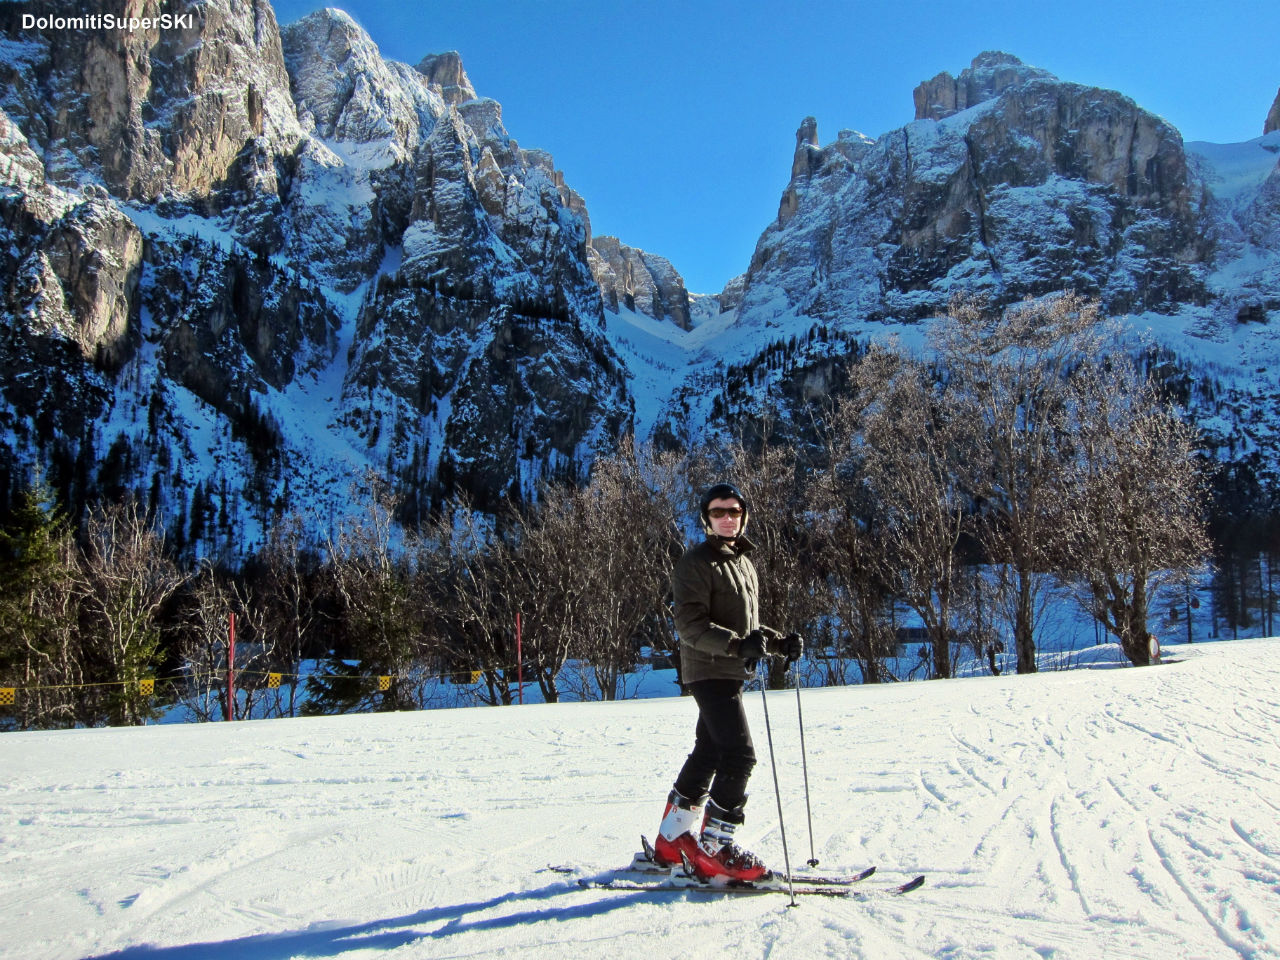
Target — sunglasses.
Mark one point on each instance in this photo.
(719, 513)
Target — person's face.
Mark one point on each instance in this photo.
(725, 516)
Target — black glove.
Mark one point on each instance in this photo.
(752, 647)
(793, 647)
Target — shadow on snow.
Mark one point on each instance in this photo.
(335, 939)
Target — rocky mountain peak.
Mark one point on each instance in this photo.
(1273, 117)
(344, 90)
(639, 281)
(171, 111)
(444, 70)
(1036, 190)
(990, 74)
(806, 148)
(807, 159)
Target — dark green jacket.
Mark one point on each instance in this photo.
(717, 603)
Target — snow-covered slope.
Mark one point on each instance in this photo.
(1108, 812)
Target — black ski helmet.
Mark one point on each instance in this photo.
(723, 491)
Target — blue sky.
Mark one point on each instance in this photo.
(676, 121)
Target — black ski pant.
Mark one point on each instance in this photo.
(723, 755)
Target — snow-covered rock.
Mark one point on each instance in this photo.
(640, 281)
(1009, 181)
(170, 111)
(331, 260)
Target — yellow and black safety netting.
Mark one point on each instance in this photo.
(147, 686)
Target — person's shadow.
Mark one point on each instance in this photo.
(336, 938)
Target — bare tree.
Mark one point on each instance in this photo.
(126, 580)
(851, 551)
(911, 449)
(205, 648)
(1132, 512)
(548, 584)
(464, 586)
(288, 602)
(1008, 374)
(371, 581)
(626, 550)
(849, 556)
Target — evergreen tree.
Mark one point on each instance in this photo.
(37, 609)
(30, 558)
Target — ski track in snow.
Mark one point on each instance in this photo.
(1081, 814)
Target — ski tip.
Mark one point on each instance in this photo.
(913, 884)
(844, 878)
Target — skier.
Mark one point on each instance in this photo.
(717, 616)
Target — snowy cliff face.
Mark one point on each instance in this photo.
(352, 185)
(195, 109)
(643, 282)
(483, 352)
(256, 262)
(1009, 181)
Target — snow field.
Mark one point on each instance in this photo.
(1098, 812)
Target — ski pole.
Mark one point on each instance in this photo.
(762, 673)
(804, 761)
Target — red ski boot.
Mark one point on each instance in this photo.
(681, 823)
(716, 855)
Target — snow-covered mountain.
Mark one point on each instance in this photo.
(1009, 183)
(261, 261)
(243, 265)
(1104, 812)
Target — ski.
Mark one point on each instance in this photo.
(646, 862)
(680, 883)
(915, 883)
(644, 866)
